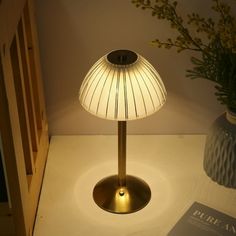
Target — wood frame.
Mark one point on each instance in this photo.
(23, 123)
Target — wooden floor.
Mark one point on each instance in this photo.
(170, 164)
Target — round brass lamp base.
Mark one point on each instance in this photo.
(110, 196)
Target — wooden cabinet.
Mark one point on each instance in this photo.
(23, 123)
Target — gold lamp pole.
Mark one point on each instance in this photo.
(122, 153)
(121, 193)
(122, 86)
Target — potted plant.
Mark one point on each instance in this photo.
(215, 42)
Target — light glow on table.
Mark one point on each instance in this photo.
(160, 199)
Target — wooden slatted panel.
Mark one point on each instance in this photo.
(21, 104)
(23, 125)
(3, 188)
(33, 69)
(12, 220)
(6, 221)
(28, 85)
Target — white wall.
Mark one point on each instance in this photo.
(73, 34)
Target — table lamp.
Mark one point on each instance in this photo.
(122, 86)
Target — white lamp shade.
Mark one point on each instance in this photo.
(122, 85)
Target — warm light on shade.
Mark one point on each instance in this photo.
(122, 85)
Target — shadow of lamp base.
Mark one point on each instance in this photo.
(110, 196)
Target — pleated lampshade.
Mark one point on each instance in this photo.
(122, 85)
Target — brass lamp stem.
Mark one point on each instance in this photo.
(121, 193)
(122, 153)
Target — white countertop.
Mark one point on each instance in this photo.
(170, 164)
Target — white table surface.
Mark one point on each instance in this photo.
(170, 164)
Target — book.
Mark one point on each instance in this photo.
(201, 220)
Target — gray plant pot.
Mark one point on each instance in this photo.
(220, 150)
